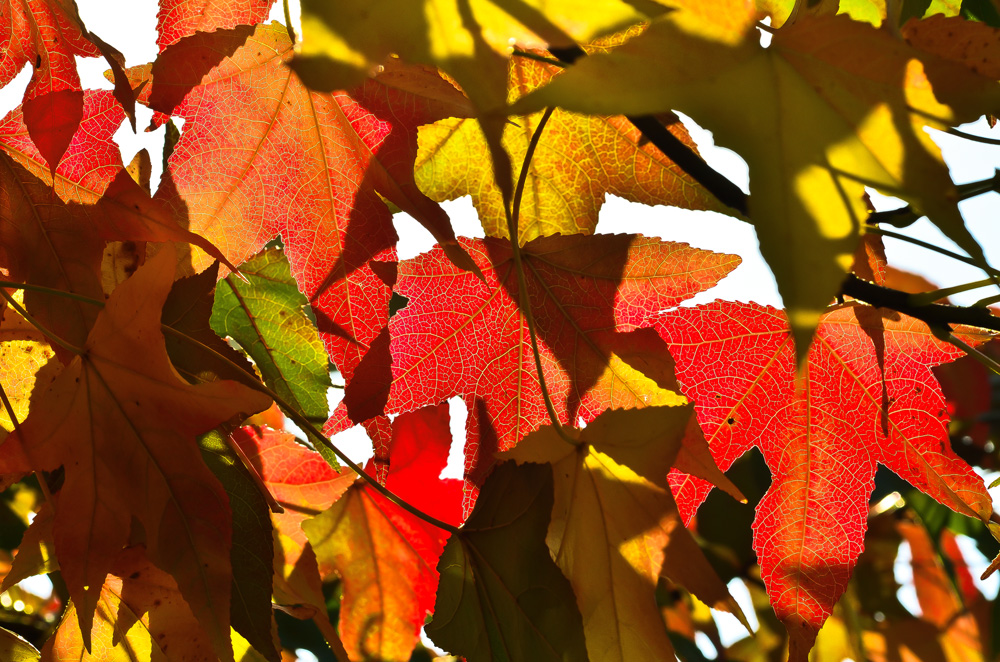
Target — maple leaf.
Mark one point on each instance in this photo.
(49, 34)
(615, 526)
(808, 178)
(868, 398)
(342, 42)
(263, 154)
(24, 364)
(122, 424)
(501, 596)
(588, 297)
(577, 161)
(177, 19)
(14, 648)
(59, 241)
(385, 556)
(264, 312)
(140, 610)
(970, 43)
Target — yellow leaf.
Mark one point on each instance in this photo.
(615, 527)
(832, 106)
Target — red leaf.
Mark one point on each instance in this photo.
(177, 19)
(460, 335)
(822, 438)
(262, 155)
(386, 557)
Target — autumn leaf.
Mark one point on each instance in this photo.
(14, 648)
(972, 44)
(865, 127)
(177, 19)
(141, 615)
(25, 356)
(265, 313)
(501, 597)
(587, 297)
(35, 554)
(252, 550)
(385, 556)
(578, 160)
(615, 526)
(122, 424)
(261, 153)
(343, 42)
(869, 397)
(59, 241)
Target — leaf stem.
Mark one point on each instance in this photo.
(38, 325)
(524, 298)
(973, 137)
(931, 247)
(925, 298)
(528, 55)
(325, 448)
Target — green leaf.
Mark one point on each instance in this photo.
(15, 649)
(252, 553)
(981, 10)
(265, 314)
(501, 596)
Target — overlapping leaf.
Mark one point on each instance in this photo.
(615, 527)
(588, 297)
(470, 41)
(387, 557)
(577, 161)
(122, 424)
(501, 597)
(58, 240)
(141, 615)
(868, 398)
(867, 95)
(24, 355)
(264, 312)
(261, 155)
(177, 19)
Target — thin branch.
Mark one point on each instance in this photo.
(973, 137)
(296, 417)
(925, 298)
(937, 316)
(931, 247)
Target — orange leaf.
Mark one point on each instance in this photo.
(123, 424)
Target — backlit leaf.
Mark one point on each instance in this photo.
(177, 19)
(587, 295)
(615, 527)
(865, 126)
(385, 556)
(14, 648)
(265, 314)
(122, 424)
(501, 597)
(868, 398)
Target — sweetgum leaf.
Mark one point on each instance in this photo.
(25, 363)
(868, 397)
(866, 126)
(262, 155)
(588, 297)
(35, 554)
(265, 314)
(252, 551)
(122, 424)
(141, 615)
(578, 160)
(14, 648)
(501, 597)
(385, 556)
(58, 240)
(615, 527)
(177, 19)
(470, 42)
